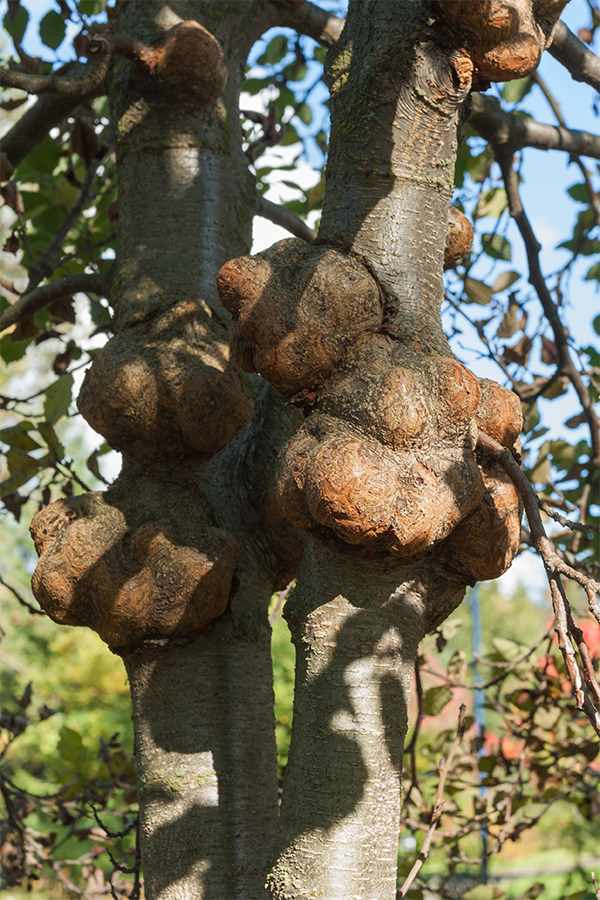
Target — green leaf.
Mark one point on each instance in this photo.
(17, 436)
(295, 72)
(579, 192)
(304, 112)
(507, 649)
(52, 29)
(540, 473)
(436, 699)
(594, 273)
(70, 746)
(16, 27)
(450, 628)
(92, 7)
(513, 320)
(596, 324)
(275, 51)
(536, 890)
(290, 137)
(92, 461)
(504, 281)
(478, 291)
(10, 350)
(514, 91)
(496, 246)
(50, 437)
(591, 248)
(492, 204)
(484, 892)
(22, 467)
(58, 398)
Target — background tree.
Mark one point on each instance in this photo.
(175, 563)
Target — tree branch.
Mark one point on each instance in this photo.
(564, 624)
(438, 808)
(38, 120)
(580, 62)
(75, 84)
(287, 219)
(307, 18)
(39, 297)
(511, 132)
(594, 200)
(35, 611)
(537, 280)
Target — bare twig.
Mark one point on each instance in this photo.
(35, 123)
(537, 280)
(281, 598)
(580, 62)
(513, 132)
(555, 567)
(567, 523)
(30, 303)
(507, 668)
(279, 215)
(46, 264)
(438, 808)
(75, 84)
(307, 18)
(594, 199)
(28, 606)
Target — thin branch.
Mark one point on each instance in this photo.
(35, 123)
(512, 132)
(580, 62)
(438, 808)
(28, 606)
(507, 669)
(555, 567)
(46, 264)
(538, 282)
(594, 199)
(30, 303)
(582, 527)
(307, 18)
(75, 84)
(287, 219)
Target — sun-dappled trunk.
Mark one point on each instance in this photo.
(385, 461)
(356, 628)
(171, 565)
(361, 450)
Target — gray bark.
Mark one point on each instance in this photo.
(203, 706)
(357, 623)
(356, 628)
(390, 173)
(203, 722)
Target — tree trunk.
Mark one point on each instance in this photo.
(357, 622)
(356, 628)
(202, 705)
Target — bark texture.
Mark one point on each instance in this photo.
(356, 627)
(384, 472)
(173, 565)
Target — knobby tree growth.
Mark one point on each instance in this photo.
(298, 414)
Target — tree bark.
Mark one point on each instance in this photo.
(357, 622)
(356, 628)
(202, 706)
